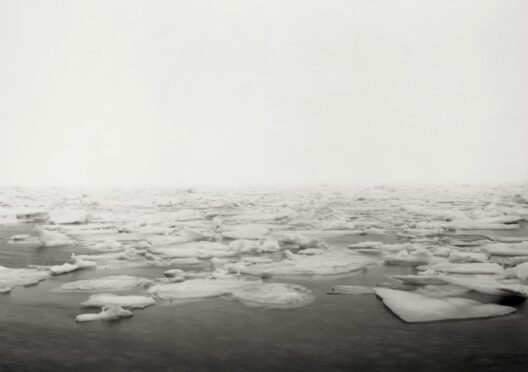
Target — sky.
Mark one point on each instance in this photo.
(172, 93)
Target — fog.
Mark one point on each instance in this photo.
(263, 92)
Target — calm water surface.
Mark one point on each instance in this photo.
(334, 333)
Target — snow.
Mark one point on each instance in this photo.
(104, 284)
(130, 302)
(274, 295)
(109, 312)
(413, 307)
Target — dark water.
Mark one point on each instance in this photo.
(334, 333)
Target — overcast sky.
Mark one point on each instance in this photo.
(263, 92)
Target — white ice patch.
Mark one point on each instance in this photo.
(49, 238)
(465, 268)
(480, 283)
(329, 263)
(68, 216)
(14, 277)
(104, 284)
(274, 295)
(111, 312)
(199, 288)
(413, 307)
(130, 302)
(198, 249)
(351, 290)
(246, 232)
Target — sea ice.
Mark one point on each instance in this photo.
(199, 288)
(49, 238)
(270, 245)
(110, 312)
(465, 268)
(131, 302)
(246, 232)
(104, 284)
(330, 263)
(13, 277)
(351, 290)
(480, 283)
(68, 216)
(274, 295)
(412, 307)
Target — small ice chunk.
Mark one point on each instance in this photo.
(465, 268)
(413, 307)
(5, 290)
(365, 245)
(419, 279)
(68, 216)
(19, 237)
(110, 312)
(245, 246)
(49, 238)
(173, 273)
(274, 295)
(270, 245)
(461, 257)
(403, 258)
(104, 284)
(246, 232)
(507, 249)
(63, 269)
(131, 302)
(351, 290)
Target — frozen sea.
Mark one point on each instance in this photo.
(333, 333)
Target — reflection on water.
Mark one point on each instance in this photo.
(334, 333)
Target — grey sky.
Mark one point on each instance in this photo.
(263, 92)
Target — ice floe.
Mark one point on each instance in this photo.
(14, 277)
(130, 302)
(274, 295)
(109, 312)
(199, 288)
(104, 284)
(414, 307)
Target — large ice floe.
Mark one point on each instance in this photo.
(413, 307)
(332, 262)
(199, 288)
(104, 284)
